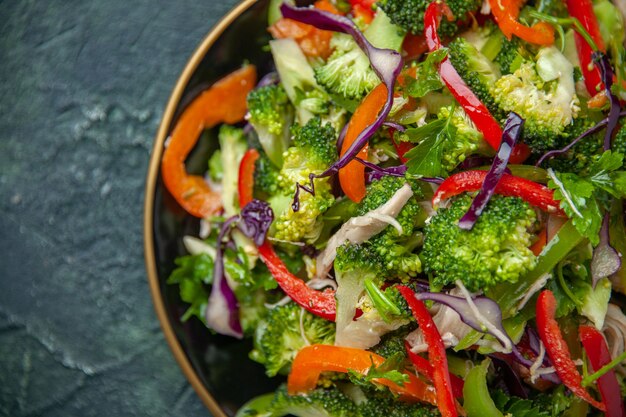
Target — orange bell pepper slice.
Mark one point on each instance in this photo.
(224, 102)
(312, 360)
(506, 13)
(314, 42)
(352, 176)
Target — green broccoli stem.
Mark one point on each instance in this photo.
(589, 379)
(382, 303)
(555, 251)
(569, 21)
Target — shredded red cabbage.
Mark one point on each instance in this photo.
(488, 308)
(606, 260)
(595, 129)
(510, 134)
(222, 313)
(606, 74)
(255, 220)
(386, 63)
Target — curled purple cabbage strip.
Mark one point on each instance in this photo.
(488, 308)
(605, 261)
(396, 126)
(510, 134)
(222, 313)
(595, 129)
(606, 74)
(386, 63)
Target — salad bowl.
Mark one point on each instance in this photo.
(404, 196)
(216, 366)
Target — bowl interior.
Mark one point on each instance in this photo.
(221, 363)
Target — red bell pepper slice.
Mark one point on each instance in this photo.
(534, 193)
(583, 11)
(436, 353)
(422, 366)
(245, 183)
(475, 109)
(362, 9)
(312, 360)
(506, 13)
(320, 303)
(224, 102)
(599, 355)
(556, 347)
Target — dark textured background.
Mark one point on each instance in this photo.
(83, 84)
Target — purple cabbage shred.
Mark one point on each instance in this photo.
(510, 135)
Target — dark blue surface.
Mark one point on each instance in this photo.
(83, 84)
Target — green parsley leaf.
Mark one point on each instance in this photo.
(425, 158)
(193, 275)
(427, 78)
(577, 199)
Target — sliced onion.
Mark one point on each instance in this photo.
(222, 312)
(510, 134)
(386, 63)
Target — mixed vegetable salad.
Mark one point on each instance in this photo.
(420, 212)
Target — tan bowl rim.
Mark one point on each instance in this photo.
(148, 235)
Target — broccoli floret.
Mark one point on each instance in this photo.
(385, 405)
(466, 141)
(393, 249)
(313, 150)
(321, 402)
(584, 154)
(347, 72)
(478, 72)
(495, 250)
(393, 343)
(271, 115)
(543, 93)
(409, 14)
(265, 175)
(280, 336)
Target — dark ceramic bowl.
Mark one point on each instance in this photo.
(217, 367)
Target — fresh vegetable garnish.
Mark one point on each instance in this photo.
(422, 267)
